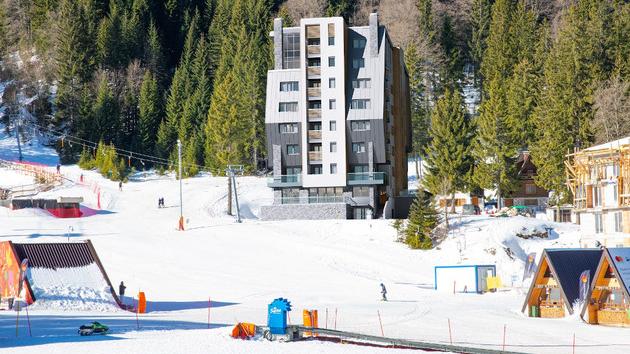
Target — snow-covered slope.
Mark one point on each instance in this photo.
(335, 266)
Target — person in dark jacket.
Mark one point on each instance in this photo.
(121, 289)
(383, 292)
(120, 185)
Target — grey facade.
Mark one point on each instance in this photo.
(337, 120)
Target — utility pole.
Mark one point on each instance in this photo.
(181, 205)
(231, 173)
(229, 199)
(17, 135)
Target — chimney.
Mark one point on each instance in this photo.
(373, 40)
(277, 43)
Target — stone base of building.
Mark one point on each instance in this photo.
(319, 211)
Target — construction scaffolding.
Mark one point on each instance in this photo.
(599, 165)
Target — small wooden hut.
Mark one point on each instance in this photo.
(555, 287)
(609, 295)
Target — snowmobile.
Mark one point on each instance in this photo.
(93, 328)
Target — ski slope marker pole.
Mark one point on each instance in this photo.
(573, 343)
(450, 334)
(335, 318)
(326, 317)
(137, 309)
(28, 319)
(209, 305)
(504, 330)
(381, 322)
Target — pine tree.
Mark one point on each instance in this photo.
(105, 112)
(480, 23)
(420, 117)
(343, 8)
(427, 28)
(448, 154)
(150, 112)
(111, 53)
(521, 100)
(423, 219)
(494, 149)
(498, 57)
(153, 54)
(453, 69)
(169, 127)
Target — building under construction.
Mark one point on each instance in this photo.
(599, 178)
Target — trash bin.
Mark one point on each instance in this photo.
(534, 311)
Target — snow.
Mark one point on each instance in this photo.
(10, 178)
(334, 266)
(77, 288)
(610, 145)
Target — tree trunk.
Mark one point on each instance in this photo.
(417, 167)
(453, 202)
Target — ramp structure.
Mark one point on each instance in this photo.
(60, 276)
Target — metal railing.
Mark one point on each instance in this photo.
(314, 199)
(313, 49)
(284, 181)
(366, 178)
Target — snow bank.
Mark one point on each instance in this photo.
(79, 288)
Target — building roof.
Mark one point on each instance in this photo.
(610, 145)
(569, 264)
(55, 255)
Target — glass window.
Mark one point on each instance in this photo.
(288, 107)
(599, 226)
(313, 41)
(358, 63)
(332, 83)
(315, 169)
(618, 222)
(287, 86)
(315, 126)
(332, 104)
(360, 191)
(358, 148)
(315, 147)
(291, 51)
(314, 104)
(360, 168)
(597, 196)
(360, 104)
(286, 128)
(333, 168)
(358, 43)
(361, 83)
(333, 125)
(293, 149)
(316, 62)
(331, 40)
(294, 170)
(331, 61)
(314, 83)
(530, 188)
(333, 147)
(360, 125)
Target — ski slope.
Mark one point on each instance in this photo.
(334, 266)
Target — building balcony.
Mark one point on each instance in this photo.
(285, 181)
(315, 156)
(314, 135)
(313, 71)
(363, 178)
(314, 92)
(313, 51)
(314, 113)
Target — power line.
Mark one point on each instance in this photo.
(119, 151)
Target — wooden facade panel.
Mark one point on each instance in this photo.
(626, 221)
(589, 196)
(552, 311)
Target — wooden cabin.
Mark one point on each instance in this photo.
(555, 286)
(609, 296)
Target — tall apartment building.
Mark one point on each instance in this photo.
(337, 120)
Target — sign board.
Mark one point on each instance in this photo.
(621, 260)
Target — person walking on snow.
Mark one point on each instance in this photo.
(120, 186)
(383, 292)
(121, 289)
(58, 168)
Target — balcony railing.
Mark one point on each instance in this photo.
(313, 50)
(316, 199)
(366, 178)
(315, 155)
(314, 113)
(285, 181)
(313, 71)
(314, 92)
(314, 135)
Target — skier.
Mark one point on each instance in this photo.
(58, 168)
(120, 186)
(81, 178)
(121, 289)
(383, 292)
